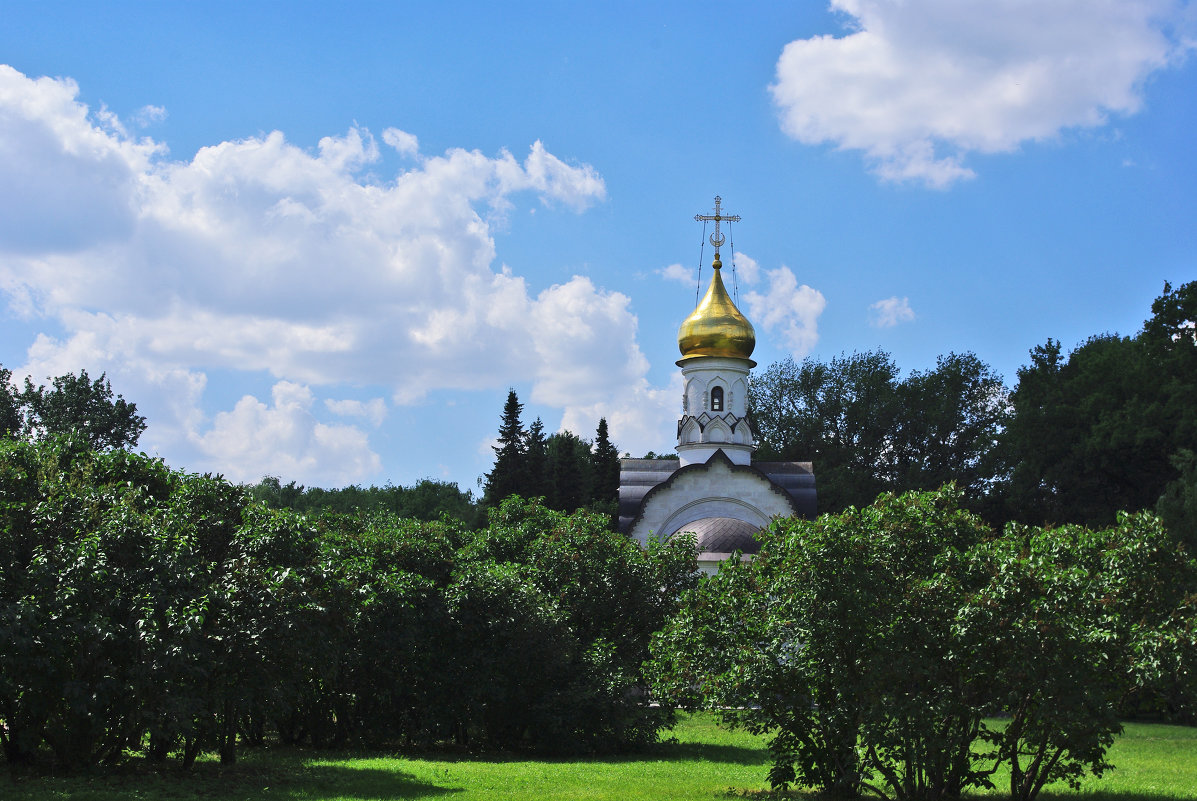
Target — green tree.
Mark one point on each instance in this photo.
(1097, 432)
(948, 427)
(873, 645)
(836, 640)
(610, 596)
(868, 431)
(1068, 621)
(605, 466)
(82, 405)
(1178, 503)
(569, 471)
(841, 415)
(509, 474)
(536, 450)
(10, 412)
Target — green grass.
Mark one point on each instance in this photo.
(1154, 762)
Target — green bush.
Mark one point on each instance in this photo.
(873, 644)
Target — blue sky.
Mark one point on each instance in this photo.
(320, 241)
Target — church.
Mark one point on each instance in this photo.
(713, 489)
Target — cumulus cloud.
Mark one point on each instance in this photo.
(787, 309)
(918, 85)
(284, 438)
(261, 256)
(636, 418)
(891, 311)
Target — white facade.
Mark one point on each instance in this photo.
(714, 410)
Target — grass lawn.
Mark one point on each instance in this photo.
(1154, 762)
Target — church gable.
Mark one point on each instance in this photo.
(716, 489)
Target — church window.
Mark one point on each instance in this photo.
(717, 399)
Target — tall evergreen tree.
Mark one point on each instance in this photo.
(536, 456)
(509, 475)
(569, 471)
(605, 467)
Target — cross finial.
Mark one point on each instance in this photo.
(717, 239)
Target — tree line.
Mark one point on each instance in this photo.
(1109, 426)
(567, 471)
(152, 611)
(427, 499)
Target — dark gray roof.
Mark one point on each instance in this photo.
(722, 535)
(636, 478)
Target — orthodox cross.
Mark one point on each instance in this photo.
(717, 239)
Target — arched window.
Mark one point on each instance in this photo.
(717, 399)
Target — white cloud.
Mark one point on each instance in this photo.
(404, 142)
(374, 410)
(261, 256)
(918, 85)
(747, 268)
(789, 310)
(575, 186)
(284, 439)
(585, 344)
(682, 275)
(891, 311)
(148, 115)
(639, 419)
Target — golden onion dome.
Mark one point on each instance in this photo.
(716, 328)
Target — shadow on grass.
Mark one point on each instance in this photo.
(727, 754)
(279, 780)
(368, 784)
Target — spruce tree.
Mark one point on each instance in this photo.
(509, 476)
(569, 471)
(536, 460)
(605, 461)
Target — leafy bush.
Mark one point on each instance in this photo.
(142, 608)
(874, 643)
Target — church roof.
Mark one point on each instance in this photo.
(722, 535)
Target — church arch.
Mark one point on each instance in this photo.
(716, 399)
(716, 507)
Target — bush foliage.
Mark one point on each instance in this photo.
(874, 645)
(143, 609)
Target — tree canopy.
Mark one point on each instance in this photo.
(869, 431)
(1105, 428)
(71, 404)
(150, 610)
